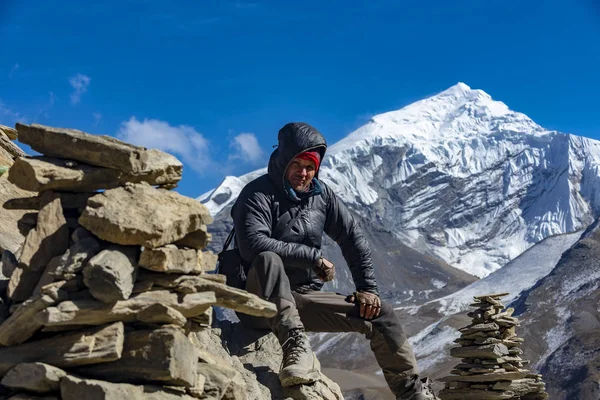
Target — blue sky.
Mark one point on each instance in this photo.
(213, 81)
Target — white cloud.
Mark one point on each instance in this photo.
(9, 112)
(246, 148)
(183, 141)
(44, 110)
(97, 118)
(190, 146)
(14, 69)
(80, 84)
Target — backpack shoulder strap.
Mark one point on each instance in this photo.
(229, 239)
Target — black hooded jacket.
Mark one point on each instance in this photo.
(267, 218)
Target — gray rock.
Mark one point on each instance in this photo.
(257, 355)
(161, 314)
(49, 239)
(34, 377)
(72, 388)
(110, 275)
(142, 215)
(92, 312)
(100, 150)
(196, 240)
(91, 346)
(222, 382)
(490, 377)
(22, 325)
(495, 350)
(226, 296)
(171, 259)
(163, 355)
(45, 173)
(12, 149)
(66, 266)
(10, 133)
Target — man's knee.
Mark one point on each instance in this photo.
(267, 258)
(267, 262)
(386, 309)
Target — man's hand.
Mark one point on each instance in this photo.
(370, 304)
(325, 269)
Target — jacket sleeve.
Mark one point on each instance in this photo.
(253, 223)
(341, 226)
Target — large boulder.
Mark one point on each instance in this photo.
(139, 214)
(100, 150)
(46, 173)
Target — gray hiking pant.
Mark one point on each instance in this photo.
(329, 312)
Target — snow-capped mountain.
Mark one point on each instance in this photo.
(461, 177)
(459, 184)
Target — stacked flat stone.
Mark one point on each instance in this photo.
(490, 351)
(109, 290)
(8, 150)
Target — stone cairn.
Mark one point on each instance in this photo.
(491, 367)
(110, 289)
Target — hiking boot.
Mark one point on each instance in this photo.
(298, 365)
(425, 392)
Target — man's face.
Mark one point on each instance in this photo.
(300, 173)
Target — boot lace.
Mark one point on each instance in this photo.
(294, 347)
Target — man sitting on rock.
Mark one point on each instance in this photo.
(279, 219)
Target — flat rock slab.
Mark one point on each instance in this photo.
(474, 394)
(110, 275)
(479, 328)
(91, 346)
(139, 214)
(34, 377)
(21, 325)
(491, 377)
(11, 133)
(226, 296)
(161, 314)
(45, 173)
(93, 312)
(49, 239)
(10, 147)
(171, 259)
(100, 150)
(73, 388)
(163, 355)
(492, 351)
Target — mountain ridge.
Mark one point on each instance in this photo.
(459, 176)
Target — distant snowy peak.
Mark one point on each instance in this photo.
(456, 113)
(226, 193)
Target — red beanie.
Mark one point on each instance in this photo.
(313, 156)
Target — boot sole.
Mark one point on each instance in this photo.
(293, 380)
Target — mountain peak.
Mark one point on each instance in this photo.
(459, 88)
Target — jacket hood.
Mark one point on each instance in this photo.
(293, 139)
